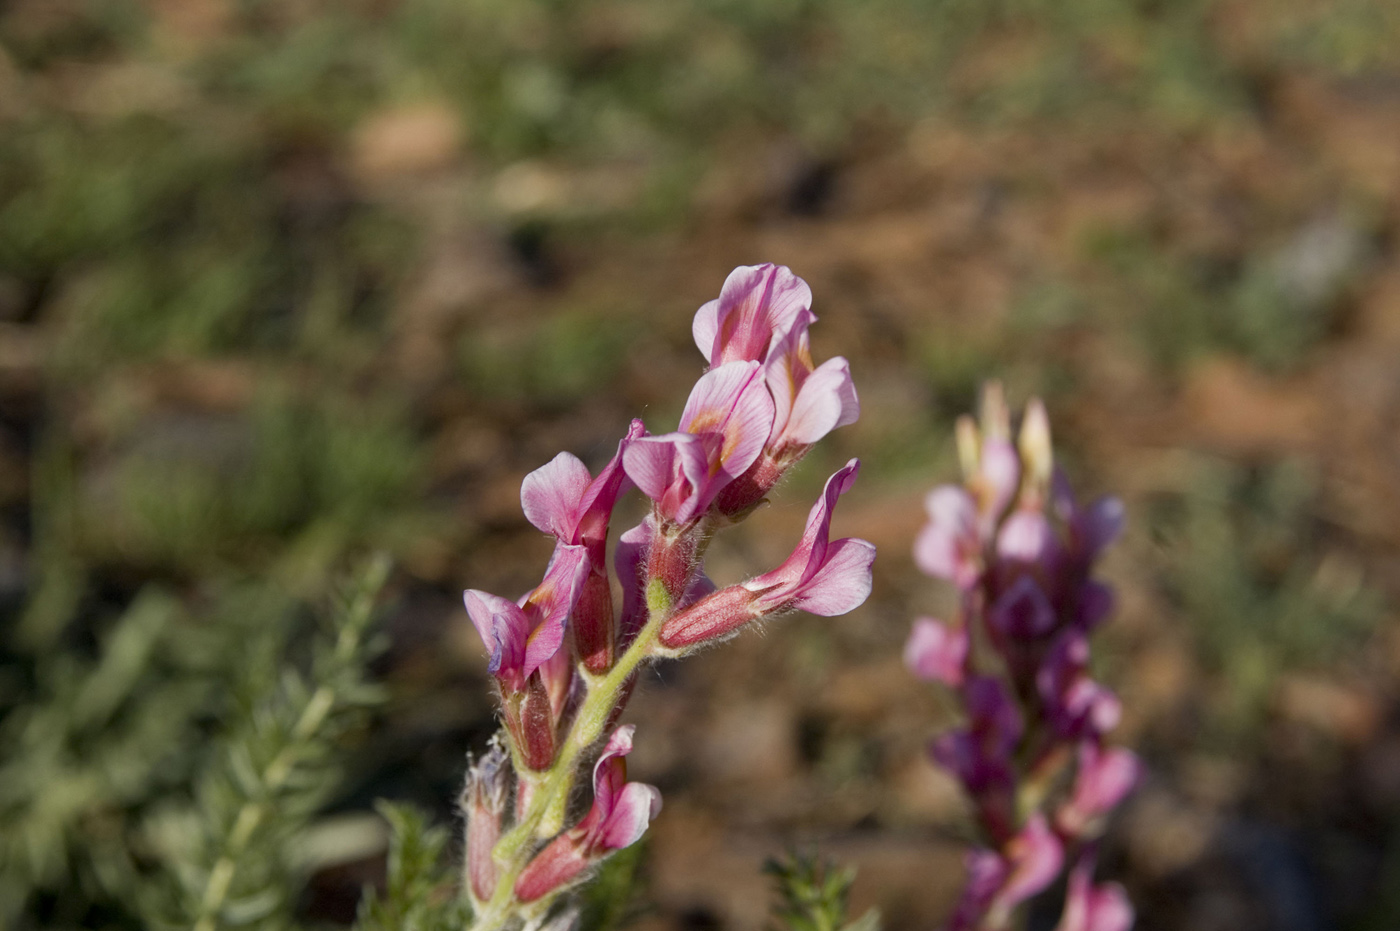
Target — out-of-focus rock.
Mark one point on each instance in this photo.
(405, 141)
(750, 742)
(1234, 409)
(1347, 713)
(1164, 834)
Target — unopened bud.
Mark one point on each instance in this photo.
(484, 804)
(1037, 454)
(710, 618)
(996, 416)
(530, 720)
(593, 623)
(969, 442)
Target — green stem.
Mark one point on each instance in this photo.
(548, 805)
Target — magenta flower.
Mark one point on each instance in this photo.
(821, 576)
(950, 545)
(998, 882)
(722, 431)
(1094, 908)
(1075, 706)
(1104, 779)
(937, 652)
(562, 498)
(521, 637)
(620, 814)
(810, 401)
(756, 303)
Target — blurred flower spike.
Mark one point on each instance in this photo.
(565, 658)
(1020, 550)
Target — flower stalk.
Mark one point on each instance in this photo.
(1021, 549)
(566, 662)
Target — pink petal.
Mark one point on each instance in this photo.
(1104, 779)
(1000, 475)
(936, 652)
(503, 628)
(842, 583)
(755, 302)
(705, 327)
(1090, 908)
(1036, 856)
(787, 367)
(730, 403)
(627, 563)
(827, 400)
(550, 604)
(605, 783)
(635, 807)
(949, 546)
(552, 494)
(810, 552)
(1026, 536)
(673, 471)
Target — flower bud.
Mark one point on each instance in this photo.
(484, 804)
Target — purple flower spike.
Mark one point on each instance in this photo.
(937, 652)
(1094, 908)
(620, 814)
(521, 637)
(723, 428)
(756, 302)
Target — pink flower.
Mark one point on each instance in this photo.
(937, 652)
(620, 814)
(1104, 779)
(1094, 908)
(563, 499)
(756, 302)
(821, 576)
(521, 637)
(998, 882)
(723, 428)
(950, 545)
(810, 401)
(1075, 706)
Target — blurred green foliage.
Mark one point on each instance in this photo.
(1264, 592)
(813, 894)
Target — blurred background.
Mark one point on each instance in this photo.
(286, 281)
